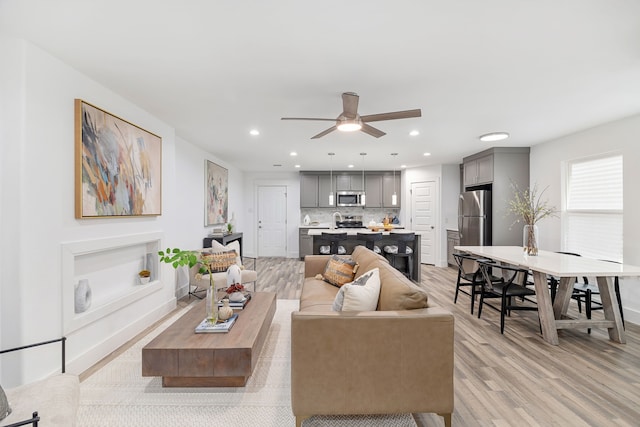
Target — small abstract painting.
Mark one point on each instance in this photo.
(118, 166)
(217, 194)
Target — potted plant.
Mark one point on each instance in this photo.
(145, 276)
(529, 208)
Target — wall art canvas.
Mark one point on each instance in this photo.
(217, 194)
(118, 166)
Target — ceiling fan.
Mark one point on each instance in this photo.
(349, 120)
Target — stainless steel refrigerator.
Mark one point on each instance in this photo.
(474, 218)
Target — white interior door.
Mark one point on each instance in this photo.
(272, 221)
(423, 204)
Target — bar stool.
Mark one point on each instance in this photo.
(399, 249)
(332, 246)
(369, 240)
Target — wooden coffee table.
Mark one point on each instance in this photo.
(186, 359)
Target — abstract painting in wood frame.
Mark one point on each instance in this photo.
(118, 166)
(216, 194)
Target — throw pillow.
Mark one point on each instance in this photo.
(5, 408)
(339, 271)
(363, 298)
(219, 261)
(360, 281)
(217, 247)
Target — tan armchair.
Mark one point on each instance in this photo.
(198, 286)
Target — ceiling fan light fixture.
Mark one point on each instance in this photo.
(349, 125)
(494, 136)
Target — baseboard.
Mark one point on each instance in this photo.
(631, 316)
(96, 353)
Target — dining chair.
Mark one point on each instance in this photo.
(511, 284)
(370, 240)
(469, 275)
(331, 243)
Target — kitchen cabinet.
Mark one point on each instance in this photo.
(349, 182)
(373, 190)
(309, 191)
(478, 171)
(324, 188)
(453, 240)
(388, 187)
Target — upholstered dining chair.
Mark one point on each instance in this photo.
(510, 288)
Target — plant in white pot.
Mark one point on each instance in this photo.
(529, 208)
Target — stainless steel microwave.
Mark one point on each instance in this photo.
(350, 198)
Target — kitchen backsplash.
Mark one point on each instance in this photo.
(368, 214)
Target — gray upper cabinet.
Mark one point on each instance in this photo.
(309, 191)
(478, 171)
(373, 190)
(349, 182)
(324, 188)
(388, 187)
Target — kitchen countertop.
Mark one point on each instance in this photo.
(320, 225)
(353, 231)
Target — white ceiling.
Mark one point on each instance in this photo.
(216, 69)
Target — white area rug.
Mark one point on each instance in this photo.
(118, 395)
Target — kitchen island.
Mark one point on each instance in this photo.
(352, 241)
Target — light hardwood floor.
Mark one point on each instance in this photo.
(515, 379)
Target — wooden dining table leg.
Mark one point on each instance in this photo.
(611, 310)
(545, 309)
(563, 297)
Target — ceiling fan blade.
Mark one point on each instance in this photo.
(372, 131)
(307, 118)
(407, 114)
(350, 104)
(324, 132)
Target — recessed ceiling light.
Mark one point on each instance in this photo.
(426, 154)
(414, 133)
(494, 136)
(254, 132)
(403, 166)
(350, 166)
(293, 153)
(296, 166)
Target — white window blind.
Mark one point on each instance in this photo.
(593, 214)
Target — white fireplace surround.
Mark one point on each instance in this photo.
(111, 266)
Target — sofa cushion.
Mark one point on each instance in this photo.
(366, 260)
(361, 281)
(220, 261)
(317, 295)
(399, 293)
(339, 271)
(365, 297)
(5, 409)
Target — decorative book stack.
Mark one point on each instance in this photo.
(238, 305)
(221, 326)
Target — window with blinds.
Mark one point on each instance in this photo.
(593, 213)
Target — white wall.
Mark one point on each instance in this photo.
(547, 161)
(291, 180)
(37, 211)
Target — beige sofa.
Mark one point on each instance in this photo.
(397, 359)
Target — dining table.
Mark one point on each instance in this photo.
(553, 314)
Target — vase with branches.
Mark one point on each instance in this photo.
(529, 207)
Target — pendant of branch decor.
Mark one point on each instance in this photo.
(528, 206)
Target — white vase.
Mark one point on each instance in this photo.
(144, 280)
(530, 239)
(82, 295)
